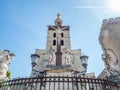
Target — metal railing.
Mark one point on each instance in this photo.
(58, 83)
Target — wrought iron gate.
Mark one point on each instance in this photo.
(58, 83)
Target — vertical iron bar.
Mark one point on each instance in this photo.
(72, 83)
(92, 83)
(76, 83)
(68, 82)
(89, 83)
(81, 83)
(49, 81)
(54, 82)
(99, 84)
(58, 83)
(85, 83)
(40, 83)
(45, 83)
(63, 82)
(96, 82)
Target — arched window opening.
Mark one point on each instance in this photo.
(62, 35)
(54, 42)
(54, 34)
(62, 42)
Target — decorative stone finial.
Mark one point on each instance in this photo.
(58, 16)
(58, 21)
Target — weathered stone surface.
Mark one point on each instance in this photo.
(110, 41)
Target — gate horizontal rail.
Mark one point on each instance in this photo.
(58, 83)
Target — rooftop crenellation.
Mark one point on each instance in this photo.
(111, 21)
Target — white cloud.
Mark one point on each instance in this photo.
(90, 7)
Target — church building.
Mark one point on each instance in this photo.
(58, 58)
(58, 67)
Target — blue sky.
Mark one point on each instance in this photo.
(23, 28)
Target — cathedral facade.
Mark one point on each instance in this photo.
(58, 58)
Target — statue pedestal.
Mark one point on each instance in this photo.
(61, 70)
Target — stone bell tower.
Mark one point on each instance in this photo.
(58, 34)
(57, 58)
(58, 38)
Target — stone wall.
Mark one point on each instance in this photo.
(110, 37)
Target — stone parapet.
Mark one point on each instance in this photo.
(111, 22)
